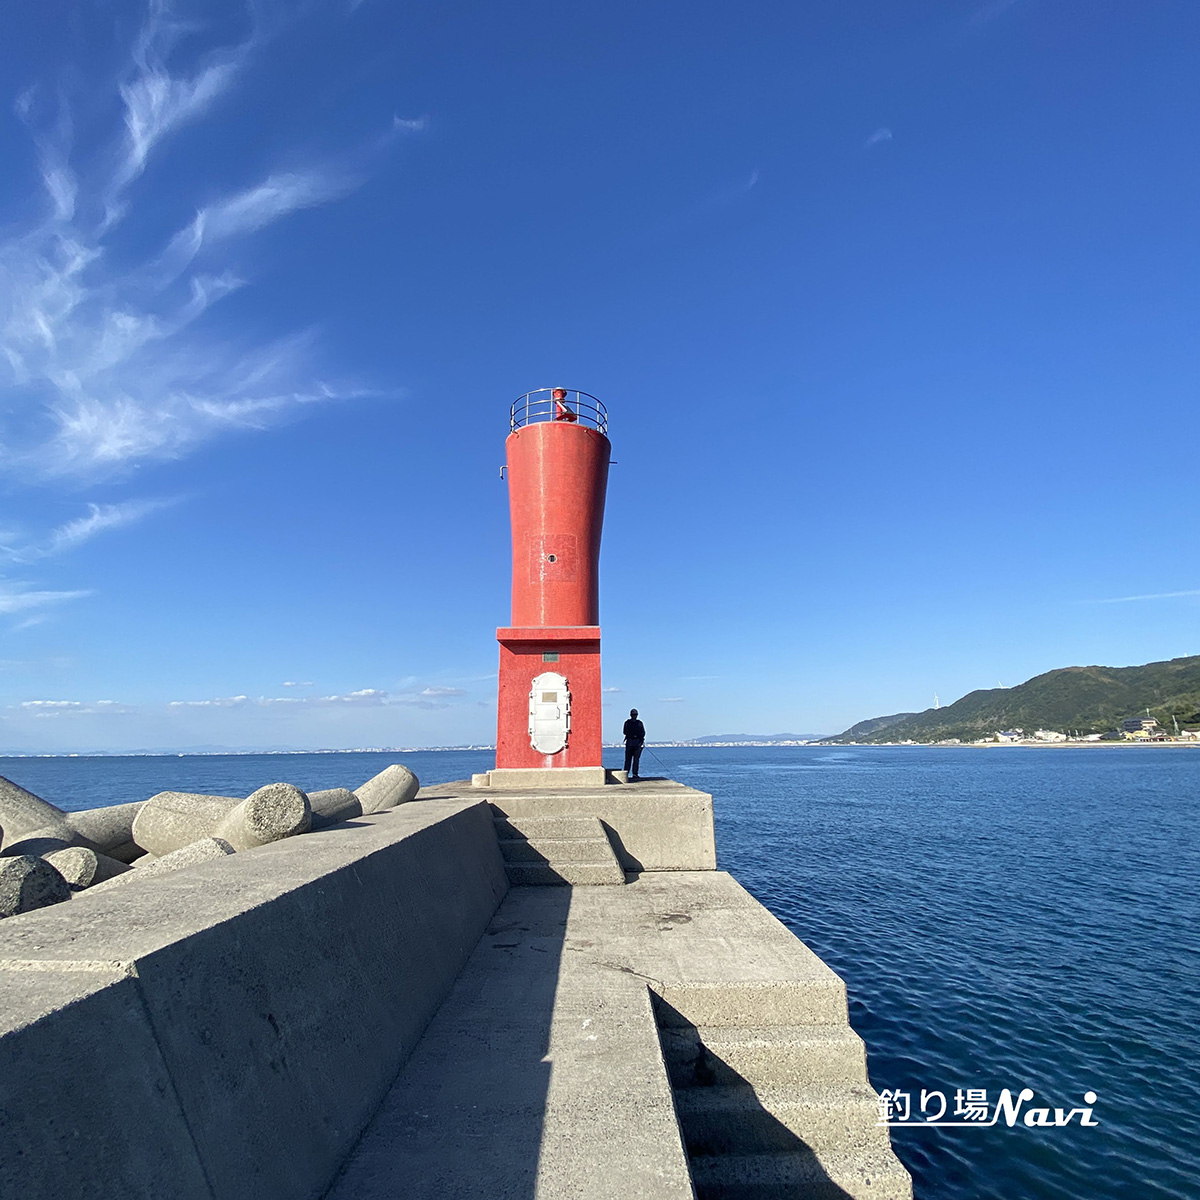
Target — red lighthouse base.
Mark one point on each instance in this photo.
(525, 653)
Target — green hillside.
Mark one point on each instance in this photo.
(1087, 699)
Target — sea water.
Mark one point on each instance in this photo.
(1003, 918)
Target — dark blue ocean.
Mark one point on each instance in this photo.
(1003, 918)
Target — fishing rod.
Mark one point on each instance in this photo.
(657, 759)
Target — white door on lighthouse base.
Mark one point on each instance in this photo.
(549, 713)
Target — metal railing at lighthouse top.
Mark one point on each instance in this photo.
(558, 404)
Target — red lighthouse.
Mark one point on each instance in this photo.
(557, 467)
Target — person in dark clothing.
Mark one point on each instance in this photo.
(635, 739)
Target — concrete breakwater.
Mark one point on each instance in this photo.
(385, 1007)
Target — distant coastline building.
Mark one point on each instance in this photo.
(1048, 735)
(1142, 729)
(1010, 735)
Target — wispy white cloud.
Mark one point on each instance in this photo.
(105, 362)
(30, 622)
(700, 211)
(671, 700)
(362, 696)
(158, 101)
(610, 689)
(17, 597)
(1148, 596)
(989, 12)
(60, 708)
(410, 124)
(22, 596)
(882, 134)
(297, 683)
(723, 197)
(429, 698)
(247, 212)
(100, 517)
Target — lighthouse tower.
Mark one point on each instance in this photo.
(549, 704)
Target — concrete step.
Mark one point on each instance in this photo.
(800, 1173)
(557, 850)
(817, 1001)
(525, 874)
(557, 827)
(764, 1055)
(837, 1118)
(539, 849)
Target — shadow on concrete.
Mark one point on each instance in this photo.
(735, 1146)
(628, 861)
(466, 1113)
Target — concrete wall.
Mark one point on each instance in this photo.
(657, 825)
(653, 827)
(228, 1031)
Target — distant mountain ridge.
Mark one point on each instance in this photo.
(878, 724)
(1087, 699)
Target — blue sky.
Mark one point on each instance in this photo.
(894, 308)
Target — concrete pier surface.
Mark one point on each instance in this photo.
(540, 1075)
(375, 1010)
(543, 1074)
